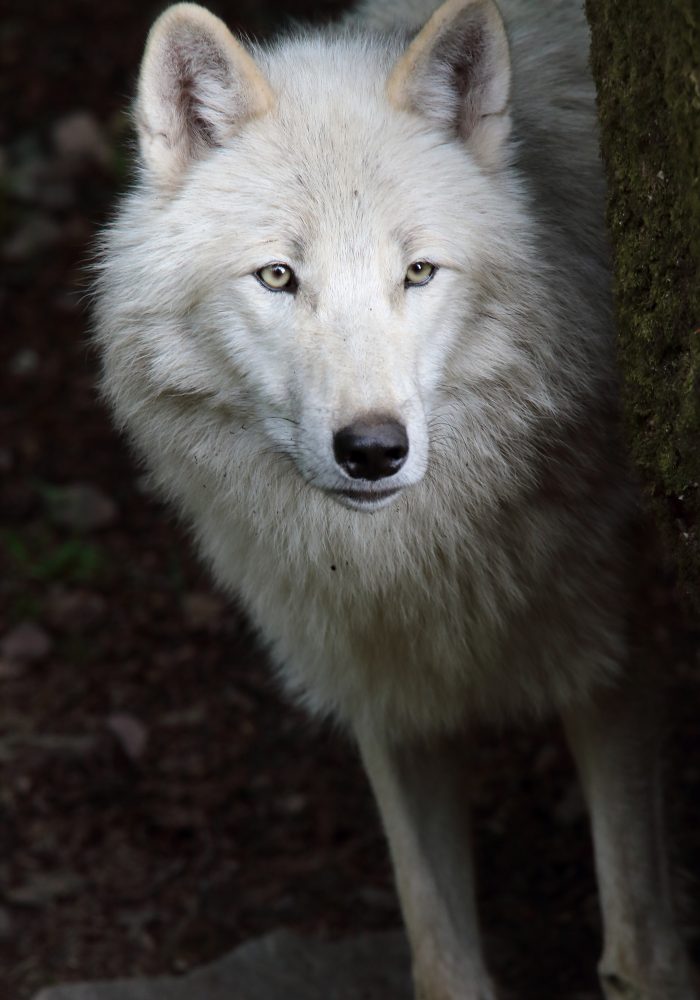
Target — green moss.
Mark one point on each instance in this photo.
(38, 555)
(645, 57)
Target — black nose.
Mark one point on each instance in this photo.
(373, 448)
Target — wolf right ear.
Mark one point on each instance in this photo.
(456, 73)
(197, 87)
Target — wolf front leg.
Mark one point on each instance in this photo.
(422, 792)
(615, 741)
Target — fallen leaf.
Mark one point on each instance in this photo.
(131, 734)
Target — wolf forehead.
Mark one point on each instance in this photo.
(334, 146)
(314, 77)
(409, 111)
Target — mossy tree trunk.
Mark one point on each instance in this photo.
(645, 56)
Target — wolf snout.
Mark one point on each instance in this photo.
(371, 448)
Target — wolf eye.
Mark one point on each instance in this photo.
(419, 273)
(277, 277)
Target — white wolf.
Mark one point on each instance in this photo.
(355, 313)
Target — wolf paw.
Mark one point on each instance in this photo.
(617, 987)
(452, 991)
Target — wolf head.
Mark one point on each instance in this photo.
(309, 264)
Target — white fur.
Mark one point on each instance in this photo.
(491, 585)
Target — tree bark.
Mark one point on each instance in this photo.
(645, 56)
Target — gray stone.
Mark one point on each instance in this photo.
(280, 966)
(79, 136)
(25, 643)
(80, 506)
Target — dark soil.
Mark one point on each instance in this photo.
(159, 803)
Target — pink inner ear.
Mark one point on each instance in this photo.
(197, 86)
(463, 51)
(197, 65)
(456, 73)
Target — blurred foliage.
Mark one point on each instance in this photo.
(37, 554)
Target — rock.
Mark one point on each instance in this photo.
(280, 966)
(79, 136)
(25, 643)
(81, 507)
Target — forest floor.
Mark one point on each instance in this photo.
(159, 802)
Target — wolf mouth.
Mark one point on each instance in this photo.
(365, 498)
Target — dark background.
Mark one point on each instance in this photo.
(158, 802)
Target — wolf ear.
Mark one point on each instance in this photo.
(197, 87)
(456, 73)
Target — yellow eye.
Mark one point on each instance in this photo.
(277, 277)
(419, 273)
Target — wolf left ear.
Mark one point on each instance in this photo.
(197, 87)
(456, 73)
